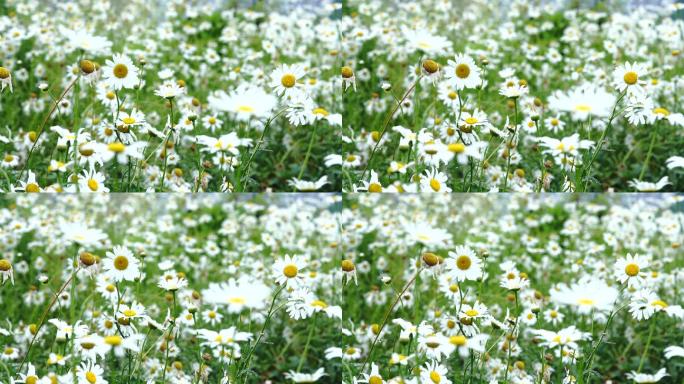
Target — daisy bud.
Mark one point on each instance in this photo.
(195, 102)
(386, 279)
(375, 135)
(206, 357)
(536, 310)
(5, 265)
(181, 83)
(43, 86)
(43, 279)
(192, 117)
(520, 173)
(535, 118)
(192, 310)
(178, 172)
(87, 66)
(348, 265)
(87, 259)
(347, 72)
(430, 259)
(430, 66)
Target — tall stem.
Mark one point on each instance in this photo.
(387, 314)
(510, 144)
(308, 152)
(386, 124)
(644, 167)
(165, 151)
(648, 343)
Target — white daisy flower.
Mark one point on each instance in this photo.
(120, 72)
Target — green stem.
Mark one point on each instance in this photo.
(648, 343)
(650, 152)
(308, 152)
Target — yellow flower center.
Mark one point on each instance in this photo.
(452, 95)
(120, 71)
(458, 340)
(91, 377)
(462, 71)
(290, 271)
(319, 304)
(661, 111)
(93, 185)
(116, 147)
(4, 73)
(435, 185)
(32, 188)
(472, 312)
(583, 108)
(632, 269)
(320, 111)
(31, 379)
(212, 120)
(456, 147)
(659, 303)
(9, 158)
(130, 312)
(631, 78)
(110, 95)
(375, 188)
(288, 80)
(586, 301)
(435, 377)
(471, 120)
(5, 265)
(375, 380)
(245, 108)
(555, 122)
(121, 263)
(128, 120)
(114, 340)
(463, 262)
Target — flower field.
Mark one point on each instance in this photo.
(136, 289)
(556, 96)
(513, 289)
(168, 96)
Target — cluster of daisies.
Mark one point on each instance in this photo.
(192, 97)
(523, 97)
(136, 289)
(513, 289)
